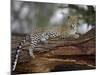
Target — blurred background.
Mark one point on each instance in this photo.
(27, 15)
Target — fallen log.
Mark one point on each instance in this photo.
(74, 54)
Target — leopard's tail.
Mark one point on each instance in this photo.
(18, 49)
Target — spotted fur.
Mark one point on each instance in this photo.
(18, 49)
(34, 40)
(40, 38)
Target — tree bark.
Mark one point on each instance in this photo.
(67, 54)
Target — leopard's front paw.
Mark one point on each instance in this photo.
(31, 53)
(33, 56)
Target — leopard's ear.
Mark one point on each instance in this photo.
(68, 17)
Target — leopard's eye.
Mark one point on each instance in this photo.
(73, 25)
